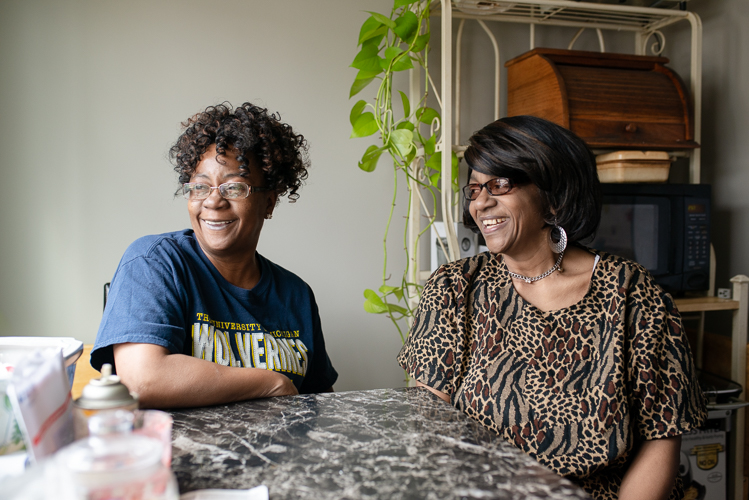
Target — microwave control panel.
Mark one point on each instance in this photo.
(697, 234)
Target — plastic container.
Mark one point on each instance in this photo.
(634, 166)
(12, 350)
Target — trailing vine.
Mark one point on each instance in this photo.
(390, 44)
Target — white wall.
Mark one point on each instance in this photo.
(91, 96)
(92, 93)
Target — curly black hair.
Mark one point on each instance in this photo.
(252, 132)
(526, 149)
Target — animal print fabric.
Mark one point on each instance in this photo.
(575, 388)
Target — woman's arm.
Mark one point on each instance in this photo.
(164, 380)
(652, 473)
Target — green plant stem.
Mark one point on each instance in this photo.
(385, 251)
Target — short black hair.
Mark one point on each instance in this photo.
(527, 149)
(253, 132)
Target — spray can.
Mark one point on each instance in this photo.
(102, 394)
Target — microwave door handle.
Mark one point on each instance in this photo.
(733, 404)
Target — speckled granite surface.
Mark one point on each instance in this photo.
(384, 443)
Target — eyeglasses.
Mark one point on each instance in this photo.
(230, 190)
(495, 187)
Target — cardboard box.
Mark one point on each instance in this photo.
(703, 465)
(634, 166)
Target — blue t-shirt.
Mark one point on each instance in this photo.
(166, 292)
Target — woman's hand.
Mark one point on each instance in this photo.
(652, 473)
(164, 380)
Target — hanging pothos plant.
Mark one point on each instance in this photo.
(390, 44)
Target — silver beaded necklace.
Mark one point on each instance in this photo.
(540, 276)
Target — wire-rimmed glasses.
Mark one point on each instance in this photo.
(193, 191)
(495, 187)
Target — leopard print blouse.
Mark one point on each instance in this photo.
(575, 388)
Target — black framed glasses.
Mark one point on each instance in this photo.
(495, 187)
(230, 190)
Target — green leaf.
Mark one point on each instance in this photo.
(405, 25)
(377, 35)
(430, 145)
(398, 293)
(403, 3)
(363, 75)
(371, 28)
(435, 179)
(365, 125)
(372, 45)
(406, 104)
(374, 303)
(406, 126)
(376, 38)
(356, 111)
(403, 64)
(398, 309)
(369, 161)
(435, 162)
(391, 53)
(383, 20)
(402, 140)
(427, 115)
(358, 86)
(367, 59)
(419, 138)
(410, 156)
(421, 43)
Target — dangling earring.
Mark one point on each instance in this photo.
(268, 216)
(557, 233)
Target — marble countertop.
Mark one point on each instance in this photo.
(384, 443)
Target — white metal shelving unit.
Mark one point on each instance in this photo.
(644, 23)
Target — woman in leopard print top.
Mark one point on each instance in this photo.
(586, 367)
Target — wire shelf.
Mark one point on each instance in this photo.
(569, 13)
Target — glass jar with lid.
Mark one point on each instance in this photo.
(114, 464)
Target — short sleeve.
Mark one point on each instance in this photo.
(321, 375)
(143, 306)
(665, 395)
(434, 348)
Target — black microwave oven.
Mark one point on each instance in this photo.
(664, 227)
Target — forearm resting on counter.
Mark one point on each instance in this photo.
(164, 380)
(653, 470)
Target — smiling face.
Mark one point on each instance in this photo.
(228, 229)
(512, 223)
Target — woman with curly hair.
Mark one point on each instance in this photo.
(198, 317)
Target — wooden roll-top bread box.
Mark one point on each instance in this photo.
(612, 101)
